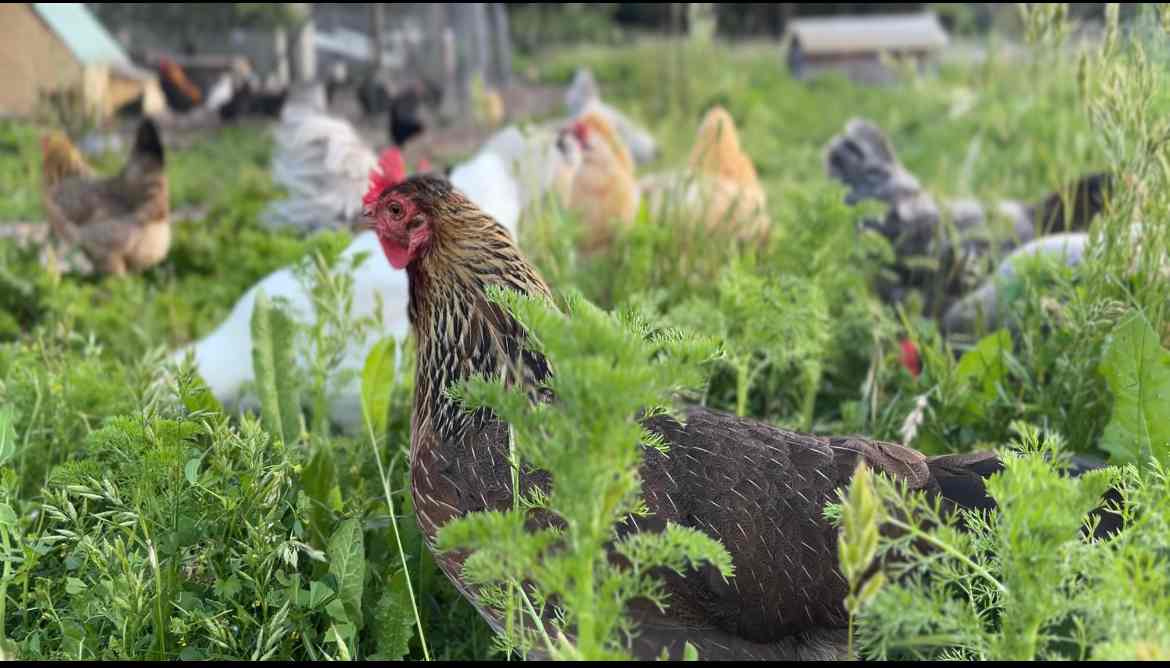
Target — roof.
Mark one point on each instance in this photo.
(854, 34)
(85, 36)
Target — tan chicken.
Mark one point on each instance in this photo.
(720, 186)
(603, 191)
(122, 223)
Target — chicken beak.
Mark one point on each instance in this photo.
(367, 220)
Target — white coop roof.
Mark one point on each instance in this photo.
(861, 34)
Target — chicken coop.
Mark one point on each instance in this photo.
(857, 45)
(53, 51)
(449, 45)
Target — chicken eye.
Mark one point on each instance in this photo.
(396, 209)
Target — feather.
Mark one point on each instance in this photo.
(323, 164)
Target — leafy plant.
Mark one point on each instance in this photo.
(1137, 369)
(589, 442)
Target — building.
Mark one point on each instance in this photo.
(854, 44)
(48, 48)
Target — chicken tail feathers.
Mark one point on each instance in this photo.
(148, 143)
(960, 479)
(1073, 208)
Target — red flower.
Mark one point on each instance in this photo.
(910, 358)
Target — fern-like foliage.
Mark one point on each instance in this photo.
(590, 440)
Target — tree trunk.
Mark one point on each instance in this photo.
(503, 44)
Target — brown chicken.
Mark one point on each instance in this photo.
(181, 94)
(757, 488)
(122, 223)
(603, 190)
(720, 186)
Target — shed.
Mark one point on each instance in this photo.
(855, 44)
(60, 47)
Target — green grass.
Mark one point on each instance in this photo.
(138, 522)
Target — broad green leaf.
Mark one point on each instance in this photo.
(319, 481)
(393, 621)
(347, 563)
(8, 516)
(228, 588)
(7, 433)
(1137, 369)
(277, 383)
(319, 592)
(341, 634)
(378, 378)
(191, 470)
(982, 368)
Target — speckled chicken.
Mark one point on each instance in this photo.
(122, 223)
(757, 488)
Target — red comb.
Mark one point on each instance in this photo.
(391, 171)
(910, 358)
(580, 131)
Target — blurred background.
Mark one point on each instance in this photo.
(83, 65)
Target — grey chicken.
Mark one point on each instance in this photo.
(959, 237)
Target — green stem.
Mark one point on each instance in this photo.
(4, 584)
(586, 623)
(949, 549)
(422, 638)
(849, 646)
(743, 381)
(514, 592)
(812, 382)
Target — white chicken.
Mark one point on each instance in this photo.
(322, 161)
(584, 96)
(224, 357)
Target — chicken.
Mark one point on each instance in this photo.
(322, 162)
(223, 358)
(584, 96)
(720, 186)
(221, 93)
(757, 488)
(121, 223)
(984, 303)
(181, 94)
(991, 305)
(249, 100)
(405, 120)
(603, 191)
(961, 236)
